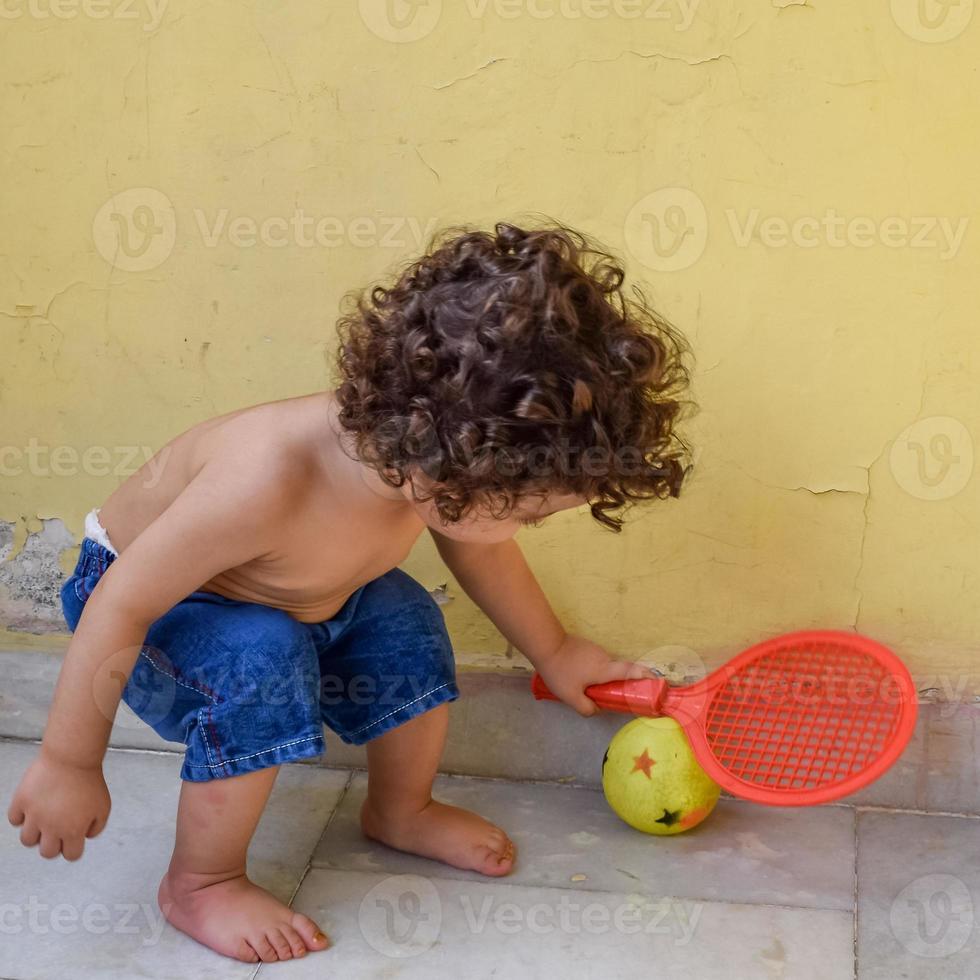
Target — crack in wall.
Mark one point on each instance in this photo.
(802, 487)
(652, 56)
(646, 56)
(472, 74)
(432, 169)
(864, 538)
(866, 513)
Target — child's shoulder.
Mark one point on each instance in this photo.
(261, 463)
(268, 441)
(268, 454)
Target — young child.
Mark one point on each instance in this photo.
(249, 592)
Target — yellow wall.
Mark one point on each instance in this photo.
(809, 506)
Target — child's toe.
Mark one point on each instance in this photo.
(309, 931)
(280, 944)
(295, 941)
(494, 861)
(265, 949)
(246, 954)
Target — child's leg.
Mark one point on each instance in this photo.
(205, 892)
(400, 811)
(238, 683)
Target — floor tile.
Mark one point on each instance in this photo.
(411, 926)
(918, 897)
(98, 917)
(939, 769)
(29, 678)
(741, 853)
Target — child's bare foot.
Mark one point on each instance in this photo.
(236, 918)
(445, 833)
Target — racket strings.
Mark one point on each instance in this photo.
(796, 719)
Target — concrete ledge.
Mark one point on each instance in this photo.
(497, 729)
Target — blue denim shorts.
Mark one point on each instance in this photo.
(245, 686)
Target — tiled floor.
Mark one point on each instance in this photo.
(752, 893)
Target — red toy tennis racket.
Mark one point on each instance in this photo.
(799, 719)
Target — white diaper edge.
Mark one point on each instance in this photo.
(95, 530)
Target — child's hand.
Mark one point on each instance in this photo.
(58, 805)
(579, 663)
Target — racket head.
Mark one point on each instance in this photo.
(800, 719)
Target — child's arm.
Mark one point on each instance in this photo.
(226, 515)
(497, 578)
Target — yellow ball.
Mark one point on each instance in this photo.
(652, 779)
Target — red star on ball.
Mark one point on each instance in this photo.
(643, 763)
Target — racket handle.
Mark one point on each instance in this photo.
(637, 697)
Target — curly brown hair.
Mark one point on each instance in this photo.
(508, 364)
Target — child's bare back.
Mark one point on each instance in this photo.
(336, 528)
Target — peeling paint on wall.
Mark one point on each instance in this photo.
(441, 595)
(31, 578)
